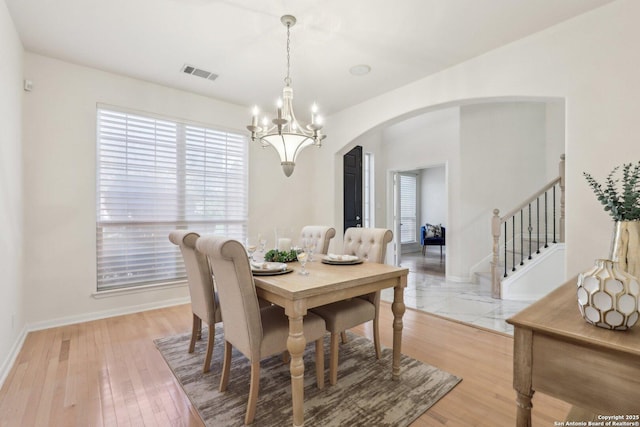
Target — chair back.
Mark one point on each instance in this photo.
(237, 293)
(320, 234)
(199, 278)
(367, 243)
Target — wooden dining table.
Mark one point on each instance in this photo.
(326, 284)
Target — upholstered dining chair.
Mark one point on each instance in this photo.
(204, 300)
(321, 235)
(371, 245)
(256, 333)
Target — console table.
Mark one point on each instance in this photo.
(558, 353)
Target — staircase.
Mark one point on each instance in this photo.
(527, 234)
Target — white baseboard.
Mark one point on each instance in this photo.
(460, 279)
(69, 320)
(87, 317)
(12, 356)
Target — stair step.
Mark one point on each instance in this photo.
(483, 278)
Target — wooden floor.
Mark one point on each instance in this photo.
(109, 373)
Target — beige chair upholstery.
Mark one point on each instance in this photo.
(256, 333)
(204, 300)
(370, 244)
(321, 236)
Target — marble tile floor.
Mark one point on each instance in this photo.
(429, 291)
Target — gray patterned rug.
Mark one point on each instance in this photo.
(365, 395)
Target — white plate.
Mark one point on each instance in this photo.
(342, 259)
(268, 266)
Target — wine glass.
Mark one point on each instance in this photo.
(262, 244)
(251, 248)
(311, 246)
(302, 258)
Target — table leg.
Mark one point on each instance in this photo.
(295, 344)
(522, 374)
(398, 309)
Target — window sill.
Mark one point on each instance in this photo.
(138, 289)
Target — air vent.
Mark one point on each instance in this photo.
(198, 72)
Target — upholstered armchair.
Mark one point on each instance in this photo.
(371, 245)
(321, 235)
(204, 300)
(256, 333)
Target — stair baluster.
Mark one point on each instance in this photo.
(498, 221)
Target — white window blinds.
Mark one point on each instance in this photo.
(408, 208)
(156, 175)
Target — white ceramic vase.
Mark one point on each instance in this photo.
(608, 296)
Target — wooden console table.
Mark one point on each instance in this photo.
(557, 353)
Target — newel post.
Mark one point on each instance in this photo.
(495, 274)
(562, 184)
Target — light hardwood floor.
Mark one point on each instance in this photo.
(109, 373)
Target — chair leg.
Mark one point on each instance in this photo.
(333, 359)
(253, 392)
(286, 357)
(195, 332)
(210, 341)
(320, 363)
(343, 335)
(376, 337)
(226, 367)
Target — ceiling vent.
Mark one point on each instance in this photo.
(189, 69)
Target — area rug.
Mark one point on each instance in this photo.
(365, 395)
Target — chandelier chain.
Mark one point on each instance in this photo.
(287, 79)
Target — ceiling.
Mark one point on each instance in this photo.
(244, 42)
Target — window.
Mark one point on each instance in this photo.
(155, 175)
(408, 208)
(368, 191)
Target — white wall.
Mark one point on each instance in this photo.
(59, 187)
(433, 193)
(503, 162)
(591, 61)
(555, 137)
(12, 319)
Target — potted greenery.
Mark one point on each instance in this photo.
(622, 202)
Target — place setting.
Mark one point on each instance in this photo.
(276, 261)
(335, 259)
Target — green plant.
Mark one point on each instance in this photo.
(281, 256)
(623, 204)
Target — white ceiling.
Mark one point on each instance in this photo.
(244, 42)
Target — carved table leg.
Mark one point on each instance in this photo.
(398, 309)
(523, 417)
(522, 374)
(295, 344)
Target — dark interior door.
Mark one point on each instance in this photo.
(352, 162)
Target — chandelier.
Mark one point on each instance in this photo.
(285, 133)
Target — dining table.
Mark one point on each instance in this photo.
(327, 283)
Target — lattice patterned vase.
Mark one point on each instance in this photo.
(608, 297)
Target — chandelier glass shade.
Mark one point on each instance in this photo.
(284, 132)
